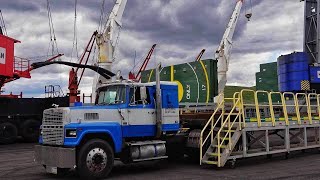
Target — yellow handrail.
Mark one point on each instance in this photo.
(310, 105)
(288, 94)
(269, 105)
(243, 103)
(283, 104)
(227, 120)
(210, 121)
(307, 105)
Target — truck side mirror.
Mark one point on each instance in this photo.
(143, 93)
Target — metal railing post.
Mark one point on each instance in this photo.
(297, 108)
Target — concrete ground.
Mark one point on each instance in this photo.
(16, 162)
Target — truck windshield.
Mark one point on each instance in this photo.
(112, 95)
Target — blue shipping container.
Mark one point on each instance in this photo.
(297, 66)
(282, 69)
(294, 86)
(281, 60)
(298, 76)
(292, 69)
(300, 57)
(282, 78)
(283, 87)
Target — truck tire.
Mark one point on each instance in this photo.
(95, 159)
(30, 130)
(8, 133)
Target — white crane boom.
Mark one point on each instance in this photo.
(224, 50)
(107, 40)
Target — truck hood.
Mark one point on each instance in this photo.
(82, 114)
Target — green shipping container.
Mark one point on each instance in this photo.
(197, 81)
(267, 80)
(268, 67)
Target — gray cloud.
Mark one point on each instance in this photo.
(180, 28)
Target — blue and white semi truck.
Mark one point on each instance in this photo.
(130, 121)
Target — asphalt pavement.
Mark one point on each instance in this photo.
(17, 163)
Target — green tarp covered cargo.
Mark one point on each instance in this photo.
(197, 81)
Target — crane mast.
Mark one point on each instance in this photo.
(107, 40)
(223, 52)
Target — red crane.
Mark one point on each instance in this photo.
(11, 67)
(73, 74)
(137, 77)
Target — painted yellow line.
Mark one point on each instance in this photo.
(206, 74)
(150, 75)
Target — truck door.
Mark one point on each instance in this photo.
(141, 113)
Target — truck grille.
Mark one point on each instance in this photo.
(52, 135)
(53, 126)
(53, 116)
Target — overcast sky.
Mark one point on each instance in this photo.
(181, 28)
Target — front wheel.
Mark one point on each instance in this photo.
(95, 159)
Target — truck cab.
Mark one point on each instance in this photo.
(123, 123)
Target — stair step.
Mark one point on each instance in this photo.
(226, 130)
(231, 113)
(209, 162)
(226, 139)
(234, 127)
(212, 154)
(222, 146)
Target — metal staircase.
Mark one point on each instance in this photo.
(225, 131)
(296, 127)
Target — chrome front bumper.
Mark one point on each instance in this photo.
(55, 156)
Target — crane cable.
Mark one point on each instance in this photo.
(53, 40)
(115, 52)
(2, 24)
(101, 17)
(94, 58)
(139, 63)
(75, 33)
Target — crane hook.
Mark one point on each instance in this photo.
(248, 16)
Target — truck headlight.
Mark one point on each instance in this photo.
(71, 133)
